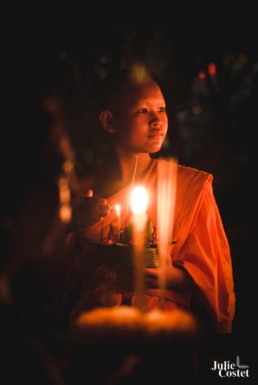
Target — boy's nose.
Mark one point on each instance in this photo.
(155, 121)
(155, 118)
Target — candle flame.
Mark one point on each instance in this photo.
(117, 209)
(139, 200)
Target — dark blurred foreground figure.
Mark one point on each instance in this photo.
(37, 166)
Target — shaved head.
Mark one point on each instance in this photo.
(118, 86)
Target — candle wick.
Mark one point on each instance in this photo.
(101, 230)
(134, 171)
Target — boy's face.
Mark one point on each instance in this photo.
(140, 120)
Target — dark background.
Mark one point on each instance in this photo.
(69, 46)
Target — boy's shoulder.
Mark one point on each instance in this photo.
(187, 171)
(193, 172)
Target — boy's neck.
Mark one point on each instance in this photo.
(133, 166)
(126, 169)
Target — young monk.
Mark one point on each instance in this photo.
(133, 114)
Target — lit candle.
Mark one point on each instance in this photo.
(167, 183)
(139, 202)
(118, 216)
(101, 230)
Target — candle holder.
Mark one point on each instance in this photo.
(114, 235)
(118, 253)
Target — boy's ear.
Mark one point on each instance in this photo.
(106, 121)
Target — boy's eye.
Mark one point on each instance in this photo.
(144, 110)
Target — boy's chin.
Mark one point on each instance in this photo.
(154, 149)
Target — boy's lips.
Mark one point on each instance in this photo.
(156, 135)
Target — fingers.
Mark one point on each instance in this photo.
(103, 208)
(152, 277)
(99, 206)
(152, 272)
(90, 210)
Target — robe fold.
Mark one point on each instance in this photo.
(200, 245)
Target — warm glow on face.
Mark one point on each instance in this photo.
(139, 200)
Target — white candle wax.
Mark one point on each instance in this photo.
(139, 201)
(118, 216)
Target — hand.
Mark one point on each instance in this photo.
(89, 210)
(152, 277)
(171, 278)
(160, 276)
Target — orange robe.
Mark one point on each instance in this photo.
(201, 246)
